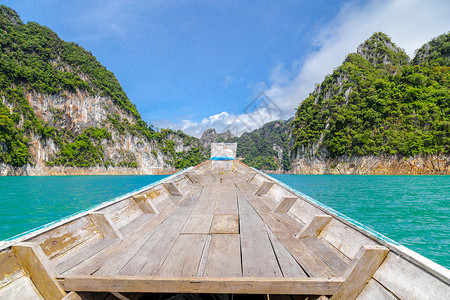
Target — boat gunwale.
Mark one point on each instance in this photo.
(4, 244)
(411, 256)
(437, 270)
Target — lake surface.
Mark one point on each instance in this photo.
(412, 210)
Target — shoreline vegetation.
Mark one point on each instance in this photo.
(63, 113)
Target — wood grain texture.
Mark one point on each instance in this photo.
(305, 256)
(138, 237)
(264, 188)
(172, 189)
(241, 285)
(366, 262)
(227, 200)
(105, 225)
(184, 257)
(224, 257)
(35, 262)
(374, 290)
(289, 266)
(22, 288)
(313, 228)
(73, 260)
(258, 257)
(57, 241)
(10, 268)
(72, 296)
(148, 258)
(285, 204)
(145, 204)
(407, 281)
(225, 224)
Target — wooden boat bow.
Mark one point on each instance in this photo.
(219, 227)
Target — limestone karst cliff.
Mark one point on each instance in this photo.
(378, 113)
(62, 112)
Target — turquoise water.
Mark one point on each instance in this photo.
(29, 202)
(412, 210)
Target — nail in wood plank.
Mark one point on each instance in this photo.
(172, 189)
(285, 204)
(366, 262)
(105, 225)
(145, 204)
(314, 227)
(264, 188)
(36, 263)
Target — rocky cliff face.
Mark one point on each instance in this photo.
(378, 113)
(62, 112)
(374, 165)
(75, 112)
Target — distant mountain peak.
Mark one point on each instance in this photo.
(9, 15)
(379, 49)
(437, 50)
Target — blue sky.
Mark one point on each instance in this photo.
(193, 65)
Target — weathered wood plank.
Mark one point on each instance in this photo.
(374, 290)
(204, 258)
(289, 266)
(123, 211)
(20, 289)
(149, 258)
(407, 281)
(332, 257)
(135, 239)
(105, 225)
(201, 216)
(346, 239)
(241, 285)
(226, 203)
(225, 224)
(172, 189)
(366, 262)
(305, 256)
(184, 258)
(138, 221)
(313, 228)
(35, 262)
(10, 268)
(255, 244)
(285, 204)
(199, 224)
(72, 296)
(74, 260)
(264, 188)
(59, 240)
(224, 257)
(145, 204)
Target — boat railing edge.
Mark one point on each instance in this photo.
(41, 229)
(410, 255)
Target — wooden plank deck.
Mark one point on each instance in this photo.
(225, 231)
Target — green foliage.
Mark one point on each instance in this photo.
(371, 109)
(257, 147)
(437, 51)
(194, 154)
(13, 145)
(85, 151)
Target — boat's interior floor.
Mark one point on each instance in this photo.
(219, 228)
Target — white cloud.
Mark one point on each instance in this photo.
(237, 124)
(409, 23)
